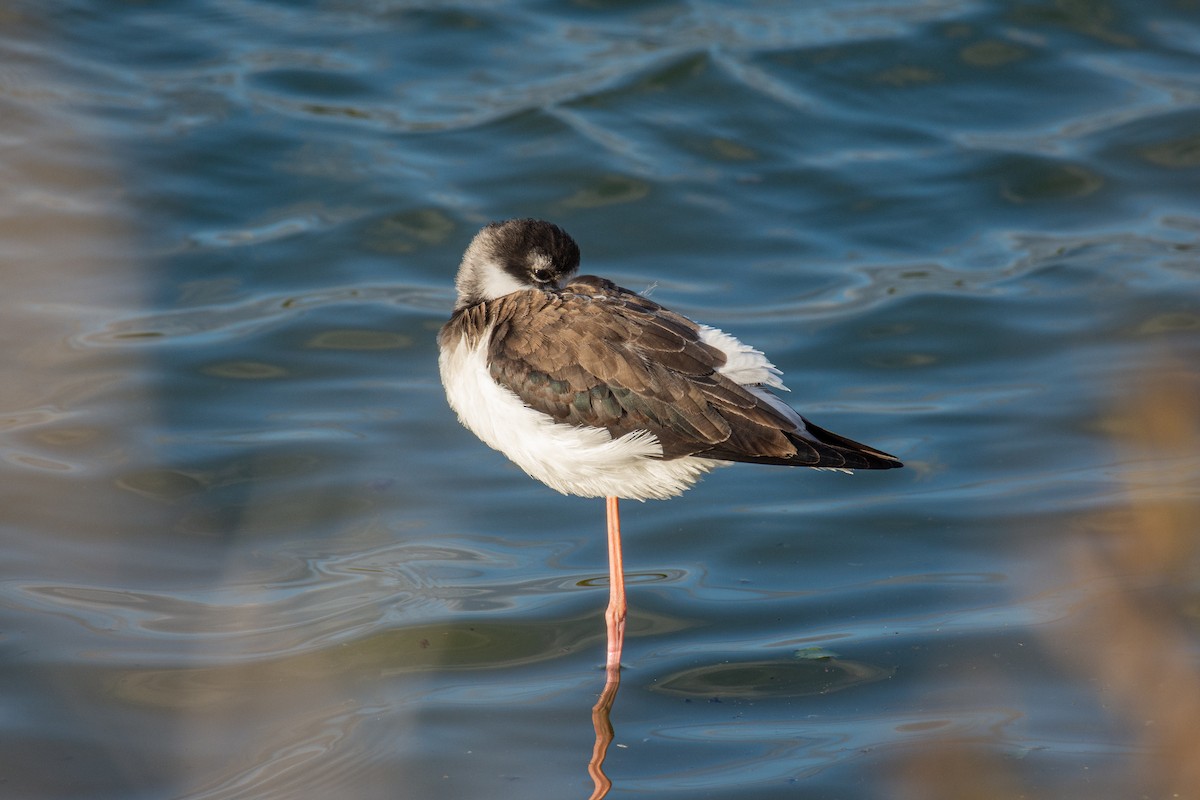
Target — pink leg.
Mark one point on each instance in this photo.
(614, 617)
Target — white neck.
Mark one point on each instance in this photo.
(478, 281)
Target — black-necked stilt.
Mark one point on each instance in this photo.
(599, 392)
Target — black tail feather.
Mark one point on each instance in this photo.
(834, 448)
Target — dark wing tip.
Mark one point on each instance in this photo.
(832, 447)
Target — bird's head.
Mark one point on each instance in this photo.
(513, 256)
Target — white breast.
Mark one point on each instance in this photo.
(571, 459)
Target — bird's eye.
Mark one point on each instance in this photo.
(541, 275)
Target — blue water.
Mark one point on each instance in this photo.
(250, 553)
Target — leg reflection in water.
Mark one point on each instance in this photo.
(602, 723)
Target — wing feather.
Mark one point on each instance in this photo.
(601, 356)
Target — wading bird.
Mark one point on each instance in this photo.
(597, 391)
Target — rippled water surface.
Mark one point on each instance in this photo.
(250, 553)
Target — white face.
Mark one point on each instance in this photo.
(493, 281)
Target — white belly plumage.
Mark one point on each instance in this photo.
(571, 459)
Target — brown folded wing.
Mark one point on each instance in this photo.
(601, 356)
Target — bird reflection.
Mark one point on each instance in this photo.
(602, 723)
